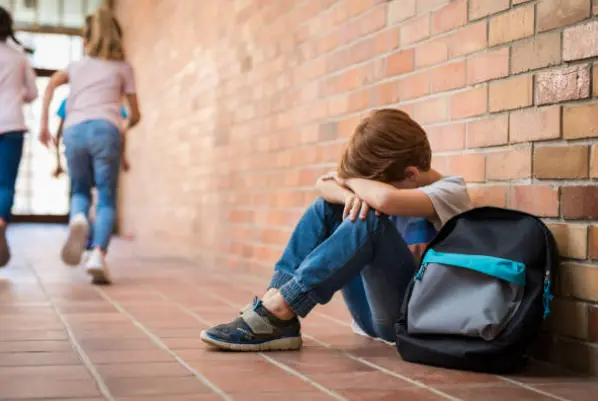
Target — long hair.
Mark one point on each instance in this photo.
(7, 29)
(103, 35)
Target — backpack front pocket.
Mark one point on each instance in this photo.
(467, 295)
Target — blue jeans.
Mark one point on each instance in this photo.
(367, 259)
(93, 153)
(11, 151)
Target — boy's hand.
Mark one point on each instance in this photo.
(355, 207)
(57, 171)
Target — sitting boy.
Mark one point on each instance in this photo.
(347, 241)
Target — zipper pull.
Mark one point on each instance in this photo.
(420, 272)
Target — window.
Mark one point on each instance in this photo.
(50, 13)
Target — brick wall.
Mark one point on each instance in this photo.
(247, 102)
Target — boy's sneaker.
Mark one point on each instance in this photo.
(77, 240)
(257, 329)
(97, 268)
(4, 249)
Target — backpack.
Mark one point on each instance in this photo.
(481, 292)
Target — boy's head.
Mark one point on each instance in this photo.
(387, 146)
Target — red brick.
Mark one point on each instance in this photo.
(469, 166)
(469, 103)
(538, 52)
(415, 30)
(541, 200)
(414, 86)
(511, 93)
(482, 8)
(568, 318)
(571, 238)
(593, 323)
(509, 164)
(430, 53)
(558, 162)
(593, 242)
(428, 5)
(447, 77)
(580, 41)
(579, 281)
(488, 195)
(557, 13)
(487, 66)
(449, 17)
(580, 121)
(400, 63)
(580, 202)
(569, 83)
(594, 162)
(447, 137)
(400, 10)
(595, 80)
(491, 131)
(515, 2)
(431, 111)
(513, 25)
(469, 39)
(535, 124)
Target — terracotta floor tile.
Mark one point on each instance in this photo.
(46, 388)
(502, 393)
(373, 380)
(66, 372)
(586, 391)
(392, 395)
(34, 346)
(39, 359)
(145, 369)
(156, 386)
(129, 356)
(32, 335)
(174, 298)
(284, 396)
(432, 376)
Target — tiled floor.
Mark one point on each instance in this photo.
(63, 339)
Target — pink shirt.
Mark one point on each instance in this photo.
(17, 86)
(96, 90)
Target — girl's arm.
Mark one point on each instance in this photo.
(134, 113)
(58, 79)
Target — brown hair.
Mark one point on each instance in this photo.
(103, 35)
(383, 145)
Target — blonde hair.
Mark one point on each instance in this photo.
(103, 35)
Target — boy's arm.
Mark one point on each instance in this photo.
(332, 191)
(392, 201)
(59, 168)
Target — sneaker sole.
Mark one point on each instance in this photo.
(75, 244)
(98, 276)
(4, 250)
(280, 344)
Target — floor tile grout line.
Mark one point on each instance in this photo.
(87, 363)
(506, 379)
(365, 362)
(532, 388)
(156, 340)
(274, 362)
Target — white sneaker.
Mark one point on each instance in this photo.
(97, 268)
(77, 240)
(85, 256)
